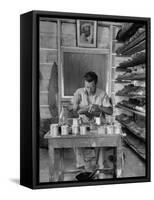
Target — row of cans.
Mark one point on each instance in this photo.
(54, 130)
(109, 129)
(82, 129)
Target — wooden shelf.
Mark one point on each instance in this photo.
(132, 44)
(135, 49)
(130, 96)
(140, 59)
(135, 46)
(135, 77)
(132, 131)
(122, 81)
(142, 156)
(128, 31)
(131, 110)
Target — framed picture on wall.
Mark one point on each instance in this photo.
(86, 33)
(85, 107)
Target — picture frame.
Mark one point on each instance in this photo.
(86, 33)
(40, 52)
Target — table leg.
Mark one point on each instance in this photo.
(119, 161)
(100, 162)
(115, 162)
(61, 176)
(52, 175)
(101, 157)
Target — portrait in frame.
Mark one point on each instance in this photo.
(86, 33)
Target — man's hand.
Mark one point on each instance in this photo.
(83, 110)
(94, 108)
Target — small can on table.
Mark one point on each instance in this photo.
(54, 129)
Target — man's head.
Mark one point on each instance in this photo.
(90, 79)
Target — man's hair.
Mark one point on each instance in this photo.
(91, 76)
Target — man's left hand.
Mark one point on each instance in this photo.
(95, 108)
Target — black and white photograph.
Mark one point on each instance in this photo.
(86, 33)
(76, 100)
(92, 100)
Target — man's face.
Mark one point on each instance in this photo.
(90, 87)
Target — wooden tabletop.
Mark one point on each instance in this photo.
(92, 139)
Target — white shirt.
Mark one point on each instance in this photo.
(81, 98)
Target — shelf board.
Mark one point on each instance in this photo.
(129, 96)
(135, 77)
(135, 49)
(128, 31)
(132, 131)
(134, 62)
(131, 110)
(121, 69)
(132, 44)
(122, 81)
(134, 149)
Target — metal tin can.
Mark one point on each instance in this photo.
(75, 130)
(117, 129)
(101, 130)
(75, 122)
(54, 129)
(64, 130)
(98, 120)
(83, 130)
(109, 129)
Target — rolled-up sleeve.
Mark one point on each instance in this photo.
(76, 99)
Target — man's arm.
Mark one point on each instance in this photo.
(97, 110)
(106, 110)
(75, 101)
(107, 106)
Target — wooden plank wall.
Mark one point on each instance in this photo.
(48, 56)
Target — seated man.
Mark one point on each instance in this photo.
(90, 102)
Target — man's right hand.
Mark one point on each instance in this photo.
(83, 110)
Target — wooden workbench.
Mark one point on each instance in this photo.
(89, 140)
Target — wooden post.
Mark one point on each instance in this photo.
(119, 159)
(61, 177)
(115, 162)
(59, 64)
(51, 164)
